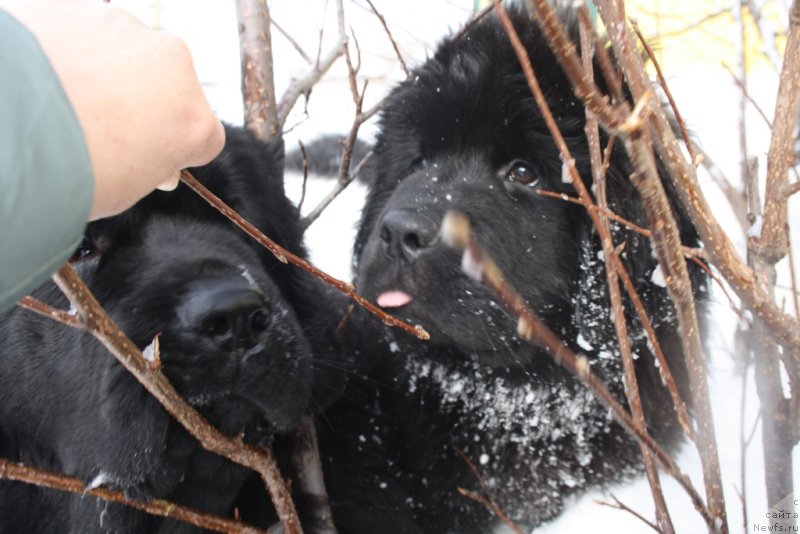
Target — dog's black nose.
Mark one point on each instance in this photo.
(405, 234)
(230, 312)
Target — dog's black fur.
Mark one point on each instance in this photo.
(237, 329)
(464, 133)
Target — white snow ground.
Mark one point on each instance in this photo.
(705, 96)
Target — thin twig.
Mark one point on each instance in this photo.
(49, 479)
(310, 481)
(285, 256)
(45, 310)
(304, 84)
(619, 505)
(492, 507)
(292, 41)
(340, 186)
(345, 176)
(305, 175)
(391, 39)
(662, 80)
(484, 500)
(689, 252)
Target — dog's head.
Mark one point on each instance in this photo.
(464, 133)
(229, 342)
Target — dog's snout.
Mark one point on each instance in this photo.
(405, 234)
(233, 315)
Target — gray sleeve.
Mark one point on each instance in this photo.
(46, 180)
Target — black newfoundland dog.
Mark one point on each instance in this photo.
(464, 133)
(237, 331)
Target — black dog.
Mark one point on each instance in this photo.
(465, 134)
(234, 325)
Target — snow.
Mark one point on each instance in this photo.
(210, 30)
(102, 479)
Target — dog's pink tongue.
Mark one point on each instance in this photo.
(394, 299)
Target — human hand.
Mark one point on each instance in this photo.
(134, 91)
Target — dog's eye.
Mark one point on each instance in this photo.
(521, 173)
(85, 250)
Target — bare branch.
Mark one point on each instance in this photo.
(305, 175)
(336, 191)
(719, 247)
(292, 41)
(285, 256)
(345, 176)
(100, 325)
(258, 83)
(45, 310)
(310, 481)
(391, 39)
(667, 241)
(49, 479)
(662, 80)
(780, 431)
(689, 252)
(620, 325)
(484, 500)
(304, 84)
(492, 507)
(619, 505)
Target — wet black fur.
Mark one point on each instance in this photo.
(67, 405)
(448, 138)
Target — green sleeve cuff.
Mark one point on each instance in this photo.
(45, 172)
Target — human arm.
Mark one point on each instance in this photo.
(96, 110)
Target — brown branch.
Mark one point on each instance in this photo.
(391, 39)
(456, 233)
(721, 250)
(666, 238)
(340, 186)
(667, 245)
(734, 195)
(48, 479)
(304, 84)
(620, 324)
(780, 430)
(619, 505)
(792, 273)
(305, 175)
(100, 325)
(792, 189)
(772, 243)
(559, 41)
(487, 502)
(310, 481)
(689, 252)
(258, 82)
(345, 176)
(292, 41)
(662, 81)
(285, 256)
(492, 507)
(473, 20)
(45, 310)
(586, 200)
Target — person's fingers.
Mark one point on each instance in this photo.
(170, 184)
